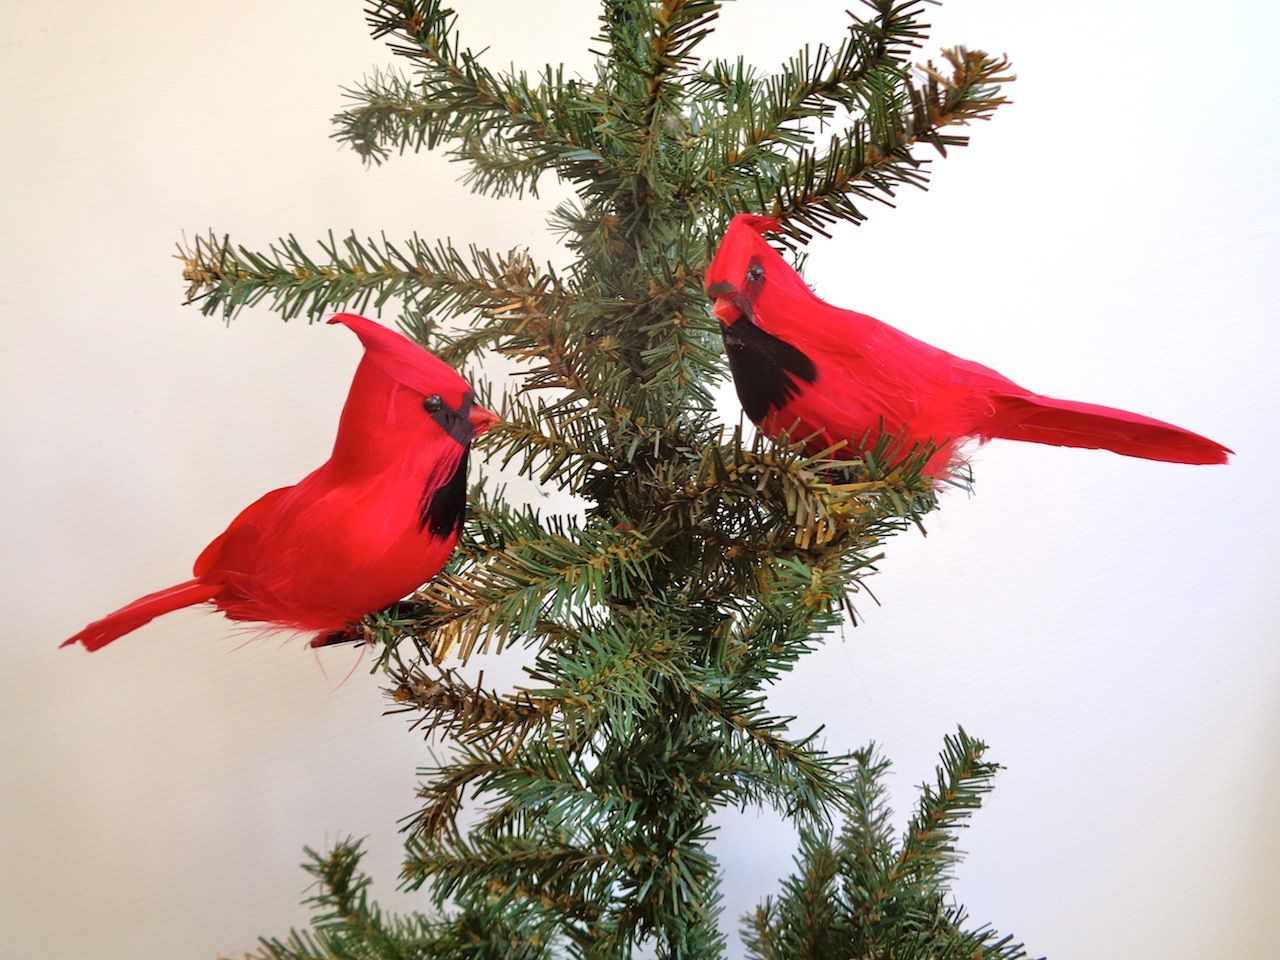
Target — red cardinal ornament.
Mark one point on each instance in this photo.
(825, 375)
(377, 520)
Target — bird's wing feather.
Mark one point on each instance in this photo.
(240, 535)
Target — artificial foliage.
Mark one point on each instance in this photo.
(703, 563)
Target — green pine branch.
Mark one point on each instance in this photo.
(928, 848)
(874, 158)
(854, 895)
(650, 44)
(355, 274)
(551, 441)
(446, 705)
(795, 776)
(514, 871)
(511, 590)
(455, 99)
(347, 925)
(765, 524)
(760, 114)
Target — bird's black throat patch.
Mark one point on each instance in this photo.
(444, 509)
(767, 372)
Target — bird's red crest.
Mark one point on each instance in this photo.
(403, 360)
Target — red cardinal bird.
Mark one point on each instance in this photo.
(821, 374)
(377, 520)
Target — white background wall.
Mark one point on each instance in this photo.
(1107, 624)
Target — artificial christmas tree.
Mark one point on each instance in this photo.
(703, 564)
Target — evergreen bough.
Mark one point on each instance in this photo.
(702, 566)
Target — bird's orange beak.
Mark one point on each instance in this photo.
(724, 310)
(481, 419)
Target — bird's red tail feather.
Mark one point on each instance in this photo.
(143, 610)
(1066, 423)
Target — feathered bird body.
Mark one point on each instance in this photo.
(815, 372)
(377, 520)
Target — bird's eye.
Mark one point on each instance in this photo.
(755, 273)
(433, 403)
